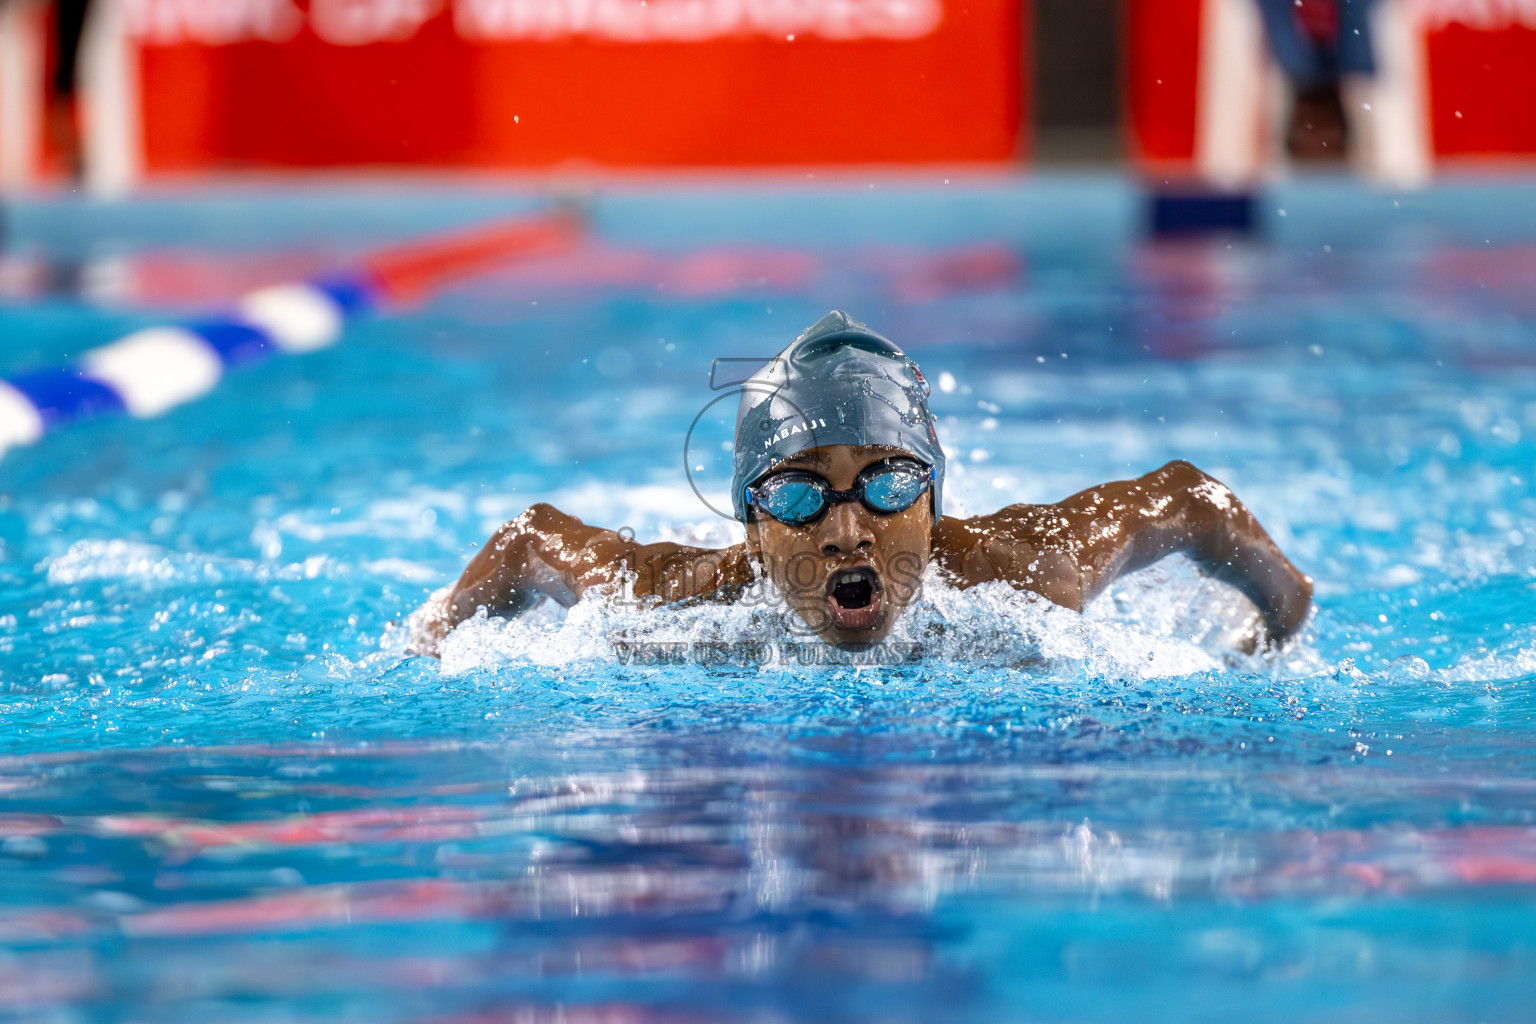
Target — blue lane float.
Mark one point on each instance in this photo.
(155, 369)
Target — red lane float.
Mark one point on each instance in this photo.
(409, 272)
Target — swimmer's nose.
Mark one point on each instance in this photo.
(846, 530)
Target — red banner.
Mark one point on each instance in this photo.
(1482, 76)
(519, 83)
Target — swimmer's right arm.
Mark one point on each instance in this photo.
(545, 553)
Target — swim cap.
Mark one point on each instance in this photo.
(838, 383)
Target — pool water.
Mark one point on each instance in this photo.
(227, 795)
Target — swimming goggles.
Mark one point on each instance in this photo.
(796, 497)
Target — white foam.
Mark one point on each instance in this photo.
(1492, 667)
(114, 559)
(90, 560)
(995, 624)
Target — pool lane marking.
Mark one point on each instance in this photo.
(20, 422)
(59, 395)
(155, 369)
(296, 317)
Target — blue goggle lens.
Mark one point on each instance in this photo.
(792, 501)
(894, 490)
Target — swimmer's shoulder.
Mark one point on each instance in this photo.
(999, 545)
(952, 533)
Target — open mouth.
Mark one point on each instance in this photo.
(854, 598)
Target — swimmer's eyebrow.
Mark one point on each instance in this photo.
(805, 460)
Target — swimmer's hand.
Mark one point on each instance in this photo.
(1070, 551)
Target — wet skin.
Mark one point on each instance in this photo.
(851, 573)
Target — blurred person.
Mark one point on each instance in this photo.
(63, 123)
(1324, 48)
(838, 477)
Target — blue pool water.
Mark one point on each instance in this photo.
(225, 795)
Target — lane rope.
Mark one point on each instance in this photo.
(155, 369)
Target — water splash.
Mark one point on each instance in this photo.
(1163, 625)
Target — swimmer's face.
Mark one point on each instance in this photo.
(851, 573)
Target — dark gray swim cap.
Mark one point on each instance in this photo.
(839, 383)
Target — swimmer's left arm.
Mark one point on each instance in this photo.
(1069, 552)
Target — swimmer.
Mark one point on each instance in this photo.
(838, 478)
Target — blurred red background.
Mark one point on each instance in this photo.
(218, 85)
(938, 81)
